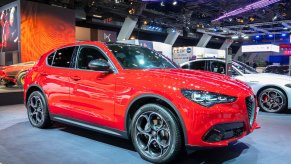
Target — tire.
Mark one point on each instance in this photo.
(156, 134)
(272, 100)
(20, 79)
(9, 84)
(37, 110)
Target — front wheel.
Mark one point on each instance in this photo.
(156, 134)
(272, 100)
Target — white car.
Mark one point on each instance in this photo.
(273, 91)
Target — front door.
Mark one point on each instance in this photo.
(93, 92)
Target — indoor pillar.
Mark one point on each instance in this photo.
(127, 28)
(238, 54)
(204, 40)
(2, 58)
(172, 37)
(226, 44)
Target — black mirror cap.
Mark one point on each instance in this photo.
(100, 65)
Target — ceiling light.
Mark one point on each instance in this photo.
(270, 35)
(162, 3)
(256, 5)
(175, 3)
(285, 28)
(283, 35)
(97, 16)
(246, 37)
(234, 37)
(257, 36)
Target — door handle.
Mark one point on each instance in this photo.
(43, 74)
(76, 78)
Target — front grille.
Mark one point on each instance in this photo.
(251, 105)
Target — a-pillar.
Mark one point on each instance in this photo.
(226, 44)
(204, 40)
(127, 28)
(172, 37)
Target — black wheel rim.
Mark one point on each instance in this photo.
(35, 110)
(271, 101)
(152, 134)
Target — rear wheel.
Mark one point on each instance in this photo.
(20, 79)
(37, 110)
(272, 100)
(156, 134)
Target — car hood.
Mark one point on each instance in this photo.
(197, 80)
(267, 78)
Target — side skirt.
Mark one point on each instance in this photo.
(89, 126)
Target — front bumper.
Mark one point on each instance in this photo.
(6, 78)
(219, 125)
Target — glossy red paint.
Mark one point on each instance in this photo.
(104, 99)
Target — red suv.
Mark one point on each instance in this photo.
(132, 92)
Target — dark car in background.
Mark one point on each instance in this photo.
(277, 69)
(14, 74)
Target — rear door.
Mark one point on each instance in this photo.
(56, 81)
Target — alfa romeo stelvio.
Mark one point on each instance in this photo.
(133, 92)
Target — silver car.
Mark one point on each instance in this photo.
(273, 91)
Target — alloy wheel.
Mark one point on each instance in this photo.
(152, 134)
(35, 110)
(271, 101)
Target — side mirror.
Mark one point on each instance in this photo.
(99, 65)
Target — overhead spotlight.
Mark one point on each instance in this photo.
(162, 3)
(131, 11)
(275, 18)
(173, 30)
(246, 37)
(258, 36)
(283, 35)
(252, 19)
(174, 3)
(270, 35)
(234, 37)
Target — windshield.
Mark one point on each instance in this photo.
(136, 57)
(245, 69)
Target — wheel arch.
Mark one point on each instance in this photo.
(153, 98)
(32, 88)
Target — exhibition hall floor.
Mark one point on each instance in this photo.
(22, 144)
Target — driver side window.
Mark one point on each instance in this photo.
(87, 54)
(217, 67)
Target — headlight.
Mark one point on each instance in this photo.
(207, 99)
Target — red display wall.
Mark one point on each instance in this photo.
(43, 28)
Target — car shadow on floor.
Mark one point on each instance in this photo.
(214, 155)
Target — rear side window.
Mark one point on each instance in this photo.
(186, 66)
(198, 65)
(62, 57)
(50, 58)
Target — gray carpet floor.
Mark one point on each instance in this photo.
(22, 144)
